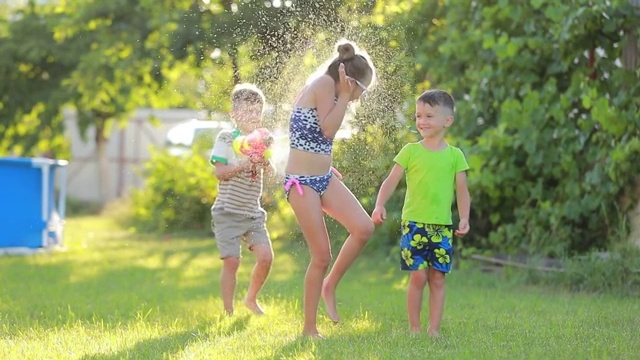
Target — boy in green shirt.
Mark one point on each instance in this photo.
(434, 171)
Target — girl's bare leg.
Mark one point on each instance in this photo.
(342, 205)
(308, 211)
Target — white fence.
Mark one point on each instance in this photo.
(127, 149)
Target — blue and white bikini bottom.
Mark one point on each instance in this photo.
(319, 183)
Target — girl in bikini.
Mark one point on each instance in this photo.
(313, 187)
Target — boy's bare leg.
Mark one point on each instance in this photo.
(436, 301)
(264, 257)
(415, 291)
(228, 282)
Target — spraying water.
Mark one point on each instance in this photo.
(303, 67)
(302, 53)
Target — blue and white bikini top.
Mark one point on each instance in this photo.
(305, 133)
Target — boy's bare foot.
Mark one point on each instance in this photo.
(228, 312)
(415, 331)
(433, 334)
(254, 307)
(329, 297)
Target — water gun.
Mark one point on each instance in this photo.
(257, 144)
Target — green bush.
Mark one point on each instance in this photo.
(551, 118)
(180, 190)
(365, 161)
(177, 195)
(616, 272)
(80, 208)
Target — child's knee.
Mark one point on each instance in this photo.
(368, 228)
(436, 280)
(263, 253)
(418, 279)
(364, 231)
(231, 263)
(265, 260)
(321, 260)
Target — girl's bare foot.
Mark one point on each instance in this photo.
(415, 330)
(253, 306)
(329, 297)
(313, 335)
(433, 334)
(228, 312)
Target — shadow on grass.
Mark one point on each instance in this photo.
(154, 348)
(47, 297)
(128, 277)
(238, 324)
(302, 346)
(124, 284)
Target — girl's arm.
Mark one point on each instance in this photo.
(331, 112)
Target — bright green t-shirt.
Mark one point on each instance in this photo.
(431, 177)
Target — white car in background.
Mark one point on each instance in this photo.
(182, 137)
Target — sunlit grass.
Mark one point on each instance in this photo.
(116, 295)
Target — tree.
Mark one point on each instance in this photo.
(32, 69)
(549, 134)
(122, 64)
(271, 30)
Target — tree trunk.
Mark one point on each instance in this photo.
(630, 51)
(634, 217)
(104, 185)
(630, 47)
(630, 56)
(233, 51)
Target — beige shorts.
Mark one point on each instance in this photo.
(230, 229)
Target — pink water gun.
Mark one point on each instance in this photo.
(257, 144)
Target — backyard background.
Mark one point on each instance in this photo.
(547, 113)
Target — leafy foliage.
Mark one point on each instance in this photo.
(32, 69)
(614, 272)
(178, 193)
(548, 131)
(104, 58)
(547, 114)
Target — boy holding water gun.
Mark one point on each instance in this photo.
(240, 161)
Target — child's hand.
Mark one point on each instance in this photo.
(347, 84)
(260, 161)
(255, 159)
(245, 164)
(379, 214)
(463, 227)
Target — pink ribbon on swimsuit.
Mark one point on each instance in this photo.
(293, 181)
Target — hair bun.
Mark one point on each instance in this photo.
(346, 51)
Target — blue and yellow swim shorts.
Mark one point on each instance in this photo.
(426, 245)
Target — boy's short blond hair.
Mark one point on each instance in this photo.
(247, 93)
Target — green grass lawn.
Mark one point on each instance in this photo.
(117, 295)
